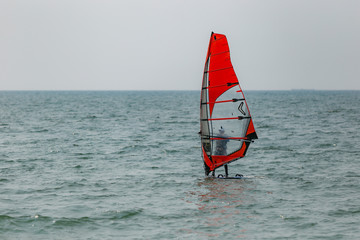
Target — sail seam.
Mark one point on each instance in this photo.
(225, 101)
(219, 38)
(215, 54)
(220, 69)
(230, 138)
(223, 85)
(219, 119)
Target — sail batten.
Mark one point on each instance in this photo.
(225, 101)
(220, 69)
(226, 127)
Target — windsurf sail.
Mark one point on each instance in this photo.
(226, 127)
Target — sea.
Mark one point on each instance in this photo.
(127, 165)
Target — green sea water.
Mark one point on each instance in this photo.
(127, 165)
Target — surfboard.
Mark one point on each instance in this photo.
(237, 176)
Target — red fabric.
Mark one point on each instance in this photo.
(207, 161)
(221, 70)
(251, 128)
(221, 160)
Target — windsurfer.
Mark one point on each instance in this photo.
(221, 144)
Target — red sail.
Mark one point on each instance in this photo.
(226, 127)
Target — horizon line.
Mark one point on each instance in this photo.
(117, 90)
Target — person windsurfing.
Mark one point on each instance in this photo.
(221, 145)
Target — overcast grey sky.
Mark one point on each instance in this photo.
(162, 44)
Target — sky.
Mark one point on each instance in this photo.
(162, 44)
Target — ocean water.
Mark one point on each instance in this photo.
(127, 165)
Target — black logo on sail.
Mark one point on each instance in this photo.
(240, 108)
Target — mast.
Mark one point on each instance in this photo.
(204, 113)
